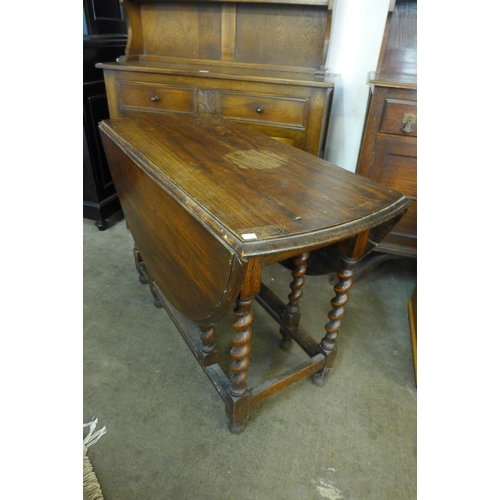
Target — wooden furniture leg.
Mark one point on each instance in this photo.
(328, 344)
(238, 398)
(140, 266)
(238, 402)
(291, 314)
(209, 352)
(145, 278)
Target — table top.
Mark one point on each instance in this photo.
(255, 194)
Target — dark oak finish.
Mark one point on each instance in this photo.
(389, 148)
(259, 63)
(104, 40)
(209, 203)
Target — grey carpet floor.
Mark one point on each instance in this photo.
(167, 436)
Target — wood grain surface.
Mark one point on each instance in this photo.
(255, 193)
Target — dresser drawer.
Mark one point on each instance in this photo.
(264, 109)
(152, 97)
(399, 118)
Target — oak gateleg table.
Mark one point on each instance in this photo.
(209, 203)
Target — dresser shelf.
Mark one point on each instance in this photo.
(259, 63)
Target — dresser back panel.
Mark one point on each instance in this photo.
(280, 34)
(186, 30)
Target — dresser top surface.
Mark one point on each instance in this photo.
(209, 69)
(255, 194)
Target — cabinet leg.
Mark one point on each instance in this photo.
(102, 225)
(328, 344)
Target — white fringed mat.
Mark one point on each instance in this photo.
(91, 487)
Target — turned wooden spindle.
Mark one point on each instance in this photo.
(296, 285)
(140, 266)
(241, 347)
(291, 312)
(207, 337)
(329, 342)
(345, 274)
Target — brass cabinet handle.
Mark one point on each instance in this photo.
(259, 109)
(154, 98)
(408, 119)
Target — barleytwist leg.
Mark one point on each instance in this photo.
(209, 353)
(237, 400)
(328, 344)
(291, 312)
(207, 336)
(241, 347)
(298, 282)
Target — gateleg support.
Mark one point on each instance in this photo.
(238, 396)
(291, 313)
(328, 344)
(351, 251)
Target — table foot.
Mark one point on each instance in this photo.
(102, 225)
(236, 429)
(319, 379)
(287, 341)
(237, 410)
(156, 298)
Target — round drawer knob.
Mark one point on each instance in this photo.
(154, 98)
(259, 109)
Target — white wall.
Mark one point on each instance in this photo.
(357, 30)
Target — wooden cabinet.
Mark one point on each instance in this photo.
(389, 156)
(104, 38)
(259, 63)
(389, 147)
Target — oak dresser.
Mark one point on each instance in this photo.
(260, 63)
(389, 147)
